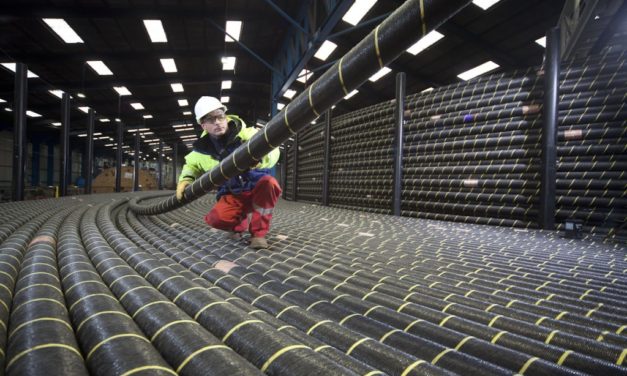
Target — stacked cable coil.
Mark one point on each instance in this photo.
(592, 145)
(89, 287)
(310, 160)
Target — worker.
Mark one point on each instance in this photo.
(244, 202)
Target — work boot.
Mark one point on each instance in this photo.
(235, 235)
(258, 242)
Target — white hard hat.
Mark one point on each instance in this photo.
(205, 105)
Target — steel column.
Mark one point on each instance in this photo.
(136, 163)
(160, 166)
(175, 161)
(549, 130)
(89, 168)
(399, 121)
(65, 145)
(19, 130)
(326, 167)
(119, 156)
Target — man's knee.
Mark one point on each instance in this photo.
(218, 220)
(269, 184)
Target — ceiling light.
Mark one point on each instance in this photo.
(187, 112)
(100, 67)
(225, 99)
(425, 42)
(32, 114)
(351, 94)
(2, 100)
(56, 124)
(155, 31)
(325, 50)
(427, 90)
(147, 116)
(280, 106)
(80, 95)
(478, 70)
(85, 109)
(233, 28)
(183, 102)
(98, 134)
(357, 11)
(56, 93)
(169, 66)
(122, 90)
(104, 120)
(226, 85)
(289, 93)
(304, 76)
(541, 41)
(382, 72)
(137, 106)
(177, 88)
(228, 63)
(184, 129)
(8, 109)
(63, 30)
(181, 125)
(485, 4)
(11, 67)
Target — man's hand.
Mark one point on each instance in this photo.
(180, 188)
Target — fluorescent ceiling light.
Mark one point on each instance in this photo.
(325, 50)
(11, 67)
(425, 42)
(8, 109)
(80, 95)
(228, 63)
(541, 41)
(304, 76)
(147, 116)
(280, 106)
(56, 93)
(100, 67)
(56, 124)
(2, 100)
(177, 88)
(184, 129)
(427, 90)
(137, 106)
(183, 102)
(289, 93)
(188, 136)
(169, 66)
(63, 30)
(225, 99)
(485, 4)
(357, 11)
(351, 94)
(187, 112)
(85, 109)
(32, 113)
(478, 70)
(122, 90)
(233, 28)
(155, 31)
(382, 72)
(181, 125)
(226, 85)
(104, 120)
(98, 134)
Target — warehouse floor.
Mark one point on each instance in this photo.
(88, 287)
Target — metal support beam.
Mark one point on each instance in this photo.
(89, 160)
(549, 129)
(399, 122)
(118, 158)
(65, 144)
(160, 166)
(326, 166)
(175, 163)
(136, 159)
(295, 169)
(19, 130)
(286, 16)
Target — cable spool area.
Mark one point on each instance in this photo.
(430, 234)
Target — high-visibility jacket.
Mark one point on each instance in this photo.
(205, 156)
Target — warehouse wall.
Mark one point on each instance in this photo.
(472, 150)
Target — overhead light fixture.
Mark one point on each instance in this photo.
(8, 109)
(80, 95)
(137, 106)
(32, 113)
(187, 112)
(2, 100)
(233, 28)
(228, 63)
(155, 31)
(351, 94)
(289, 93)
(122, 90)
(325, 50)
(425, 42)
(478, 70)
(357, 11)
(63, 30)
(225, 99)
(382, 72)
(183, 102)
(177, 88)
(104, 120)
(11, 67)
(85, 109)
(427, 90)
(485, 4)
(100, 67)
(56, 93)
(226, 85)
(169, 66)
(184, 129)
(541, 41)
(280, 106)
(56, 124)
(304, 76)
(181, 125)
(147, 116)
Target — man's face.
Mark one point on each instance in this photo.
(214, 123)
